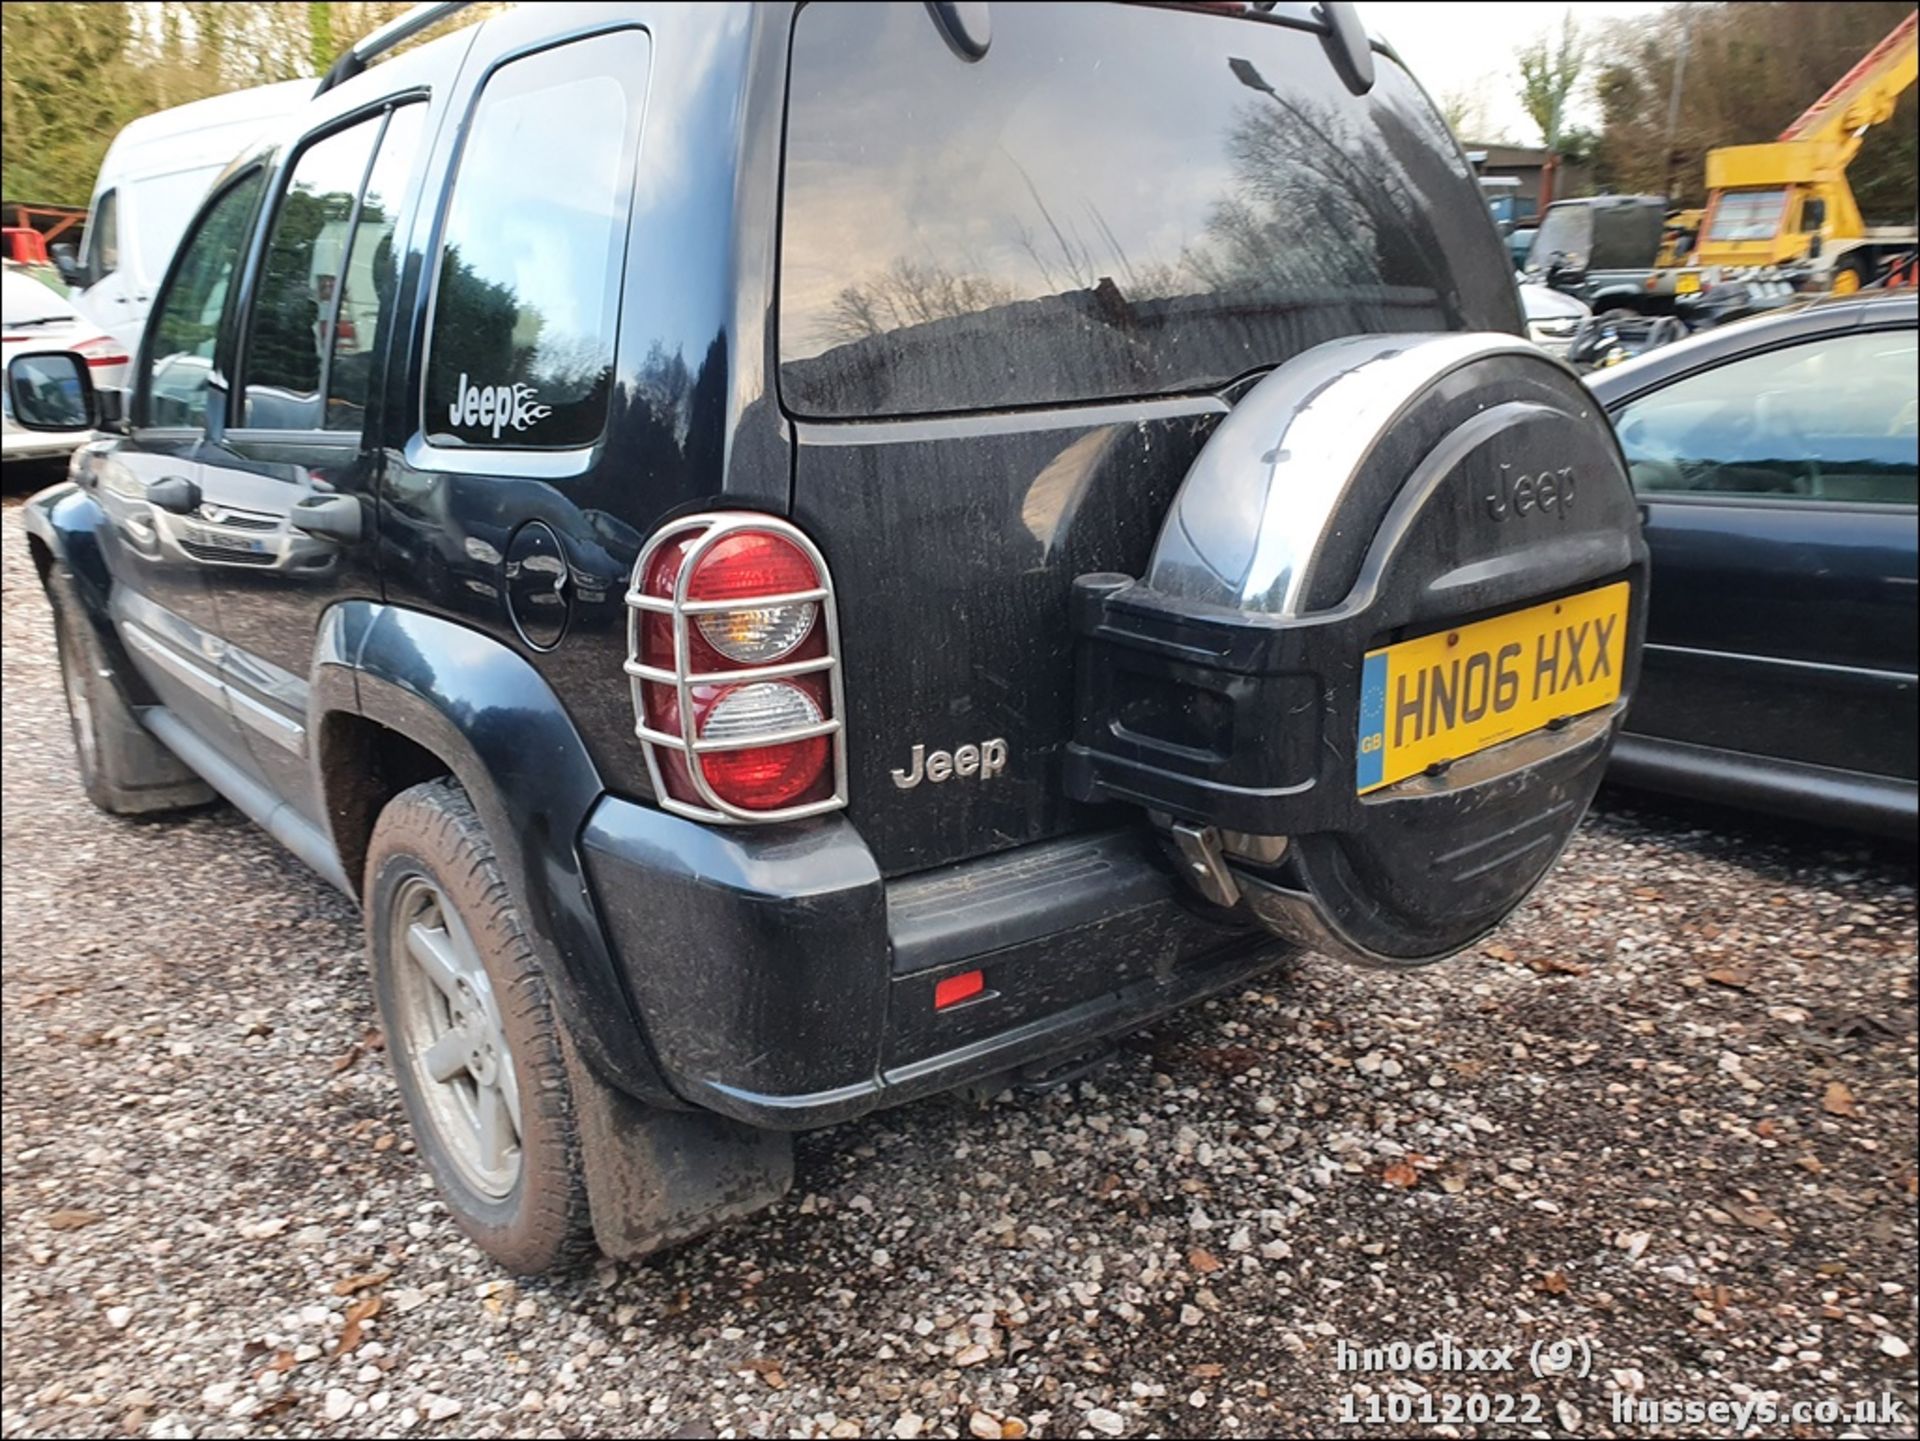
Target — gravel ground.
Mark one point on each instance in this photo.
(1669, 1113)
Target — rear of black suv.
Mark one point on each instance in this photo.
(814, 555)
(1058, 289)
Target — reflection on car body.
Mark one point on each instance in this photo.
(1776, 459)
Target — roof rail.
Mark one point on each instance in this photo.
(378, 41)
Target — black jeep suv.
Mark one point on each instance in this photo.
(796, 557)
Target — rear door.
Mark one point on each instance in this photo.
(1017, 295)
(1779, 491)
(289, 480)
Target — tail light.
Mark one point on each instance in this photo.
(101, 350)
(733, 651)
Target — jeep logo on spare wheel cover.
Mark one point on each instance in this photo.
(1370, 680)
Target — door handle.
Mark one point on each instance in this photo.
(330, 517)
(175, 494)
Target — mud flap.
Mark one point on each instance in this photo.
(657, 1177)
(1347, 686)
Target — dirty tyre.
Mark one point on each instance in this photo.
(124, 769)
(472, 1035)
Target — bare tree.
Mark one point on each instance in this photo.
(909, 293)
(1465, 111)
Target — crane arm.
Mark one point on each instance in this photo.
(1864, 96)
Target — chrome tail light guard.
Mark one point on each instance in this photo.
(710, 530)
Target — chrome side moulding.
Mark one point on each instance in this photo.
(144, 626)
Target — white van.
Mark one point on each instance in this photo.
(154, 176)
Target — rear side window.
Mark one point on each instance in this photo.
(1114, 201)
(368, 283)
(293, 306)
(1831, 420)
(527, 291)
(328, 277)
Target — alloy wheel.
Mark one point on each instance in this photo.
(453, 1040)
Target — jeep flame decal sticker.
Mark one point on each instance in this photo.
(512, 407)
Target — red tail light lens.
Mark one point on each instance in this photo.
(745, 566)
(763, 778)
(101, 350)
(746, 672)
(749, 564)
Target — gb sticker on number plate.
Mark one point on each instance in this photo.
(1438, 698)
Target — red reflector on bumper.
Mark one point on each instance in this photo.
(955, 989)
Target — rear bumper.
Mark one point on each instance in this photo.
(784, 983)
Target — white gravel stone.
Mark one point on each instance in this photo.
(1055, 1231)
(440, 1408)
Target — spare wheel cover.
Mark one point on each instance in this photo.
(1385, 488)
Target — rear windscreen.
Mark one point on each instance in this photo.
(1626, 237)
(1566, 233)
(1114, 201)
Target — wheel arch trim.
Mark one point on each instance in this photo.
(66, 522)
(486, 714)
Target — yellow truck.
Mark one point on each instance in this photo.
(1787, 202)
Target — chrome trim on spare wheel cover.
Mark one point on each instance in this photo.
(1285, 457)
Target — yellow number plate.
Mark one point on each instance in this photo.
(1446, 695)
(1686, 283)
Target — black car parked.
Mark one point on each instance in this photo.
(1776, 463)
(793, 558)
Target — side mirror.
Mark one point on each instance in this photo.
(51, 390)
(111, 409)
(67, 263)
